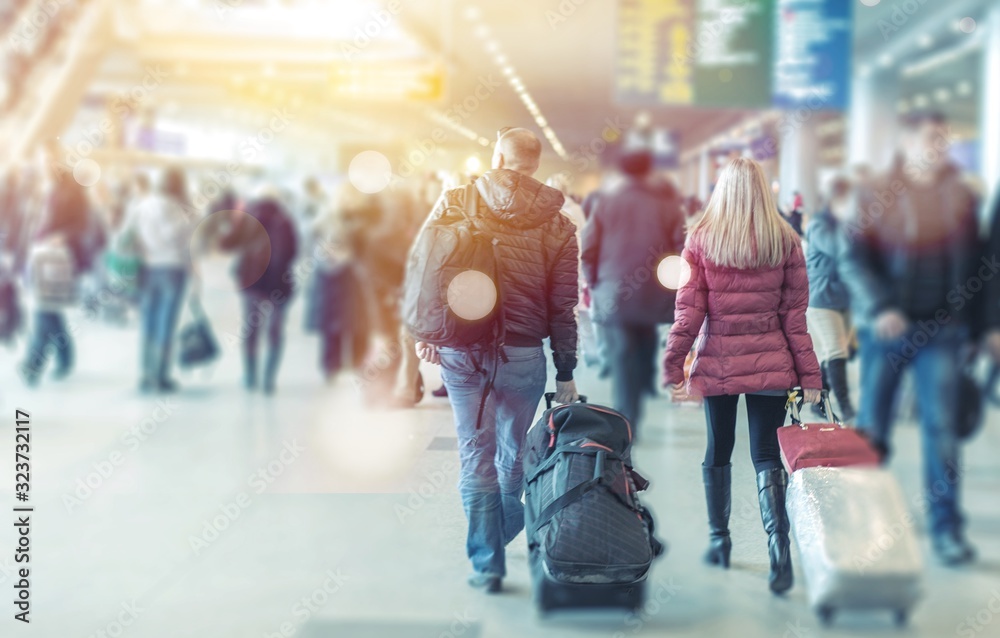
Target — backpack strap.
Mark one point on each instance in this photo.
(567, 498)
(471, 202)
(578, 492)
(470, 212)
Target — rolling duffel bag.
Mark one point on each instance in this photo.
(590, 542)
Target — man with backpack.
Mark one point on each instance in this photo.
(510, 224)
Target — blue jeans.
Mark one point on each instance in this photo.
(491, 477)
(50, 335)
(162, 292)
(259, 311)
(935, 362)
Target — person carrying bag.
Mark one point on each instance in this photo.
(745, 302)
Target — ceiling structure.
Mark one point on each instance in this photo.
(231, 71)
(391, 76)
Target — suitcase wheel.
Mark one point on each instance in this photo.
(825, 615)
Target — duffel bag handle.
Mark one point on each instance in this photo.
(796, 400)
(550, 397)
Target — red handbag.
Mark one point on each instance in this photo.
(822, 444)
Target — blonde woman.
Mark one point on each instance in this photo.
(746, 299)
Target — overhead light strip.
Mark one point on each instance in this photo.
(492, 47)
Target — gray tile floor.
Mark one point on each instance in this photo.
(216, 513)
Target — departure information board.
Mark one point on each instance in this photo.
(733, 53)
(812, 63)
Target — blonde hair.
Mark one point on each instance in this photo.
(741, 226)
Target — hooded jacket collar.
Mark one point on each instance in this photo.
(518, 200)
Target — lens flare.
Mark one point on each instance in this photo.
(370, 171)
(673, 272)
(87, 172)
(472, 295)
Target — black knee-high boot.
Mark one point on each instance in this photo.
(836, 370)
(771, 485)
(718, 497)
(817, 408)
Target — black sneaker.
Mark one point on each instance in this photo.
(489, 582)
(952, 549)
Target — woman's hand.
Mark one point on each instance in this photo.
(812, 396)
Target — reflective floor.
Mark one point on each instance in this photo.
(218, 513)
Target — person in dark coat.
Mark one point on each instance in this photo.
(540, 283)
(911, 261)
(338, 307)
(624, 241)
(266, 240)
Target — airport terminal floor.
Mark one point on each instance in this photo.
(215, 513)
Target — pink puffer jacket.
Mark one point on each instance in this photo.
(750, 326)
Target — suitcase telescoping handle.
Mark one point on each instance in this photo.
(550, 397)
(796, 400)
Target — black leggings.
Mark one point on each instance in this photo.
(765, 415)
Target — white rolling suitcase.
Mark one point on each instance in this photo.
(856, 543)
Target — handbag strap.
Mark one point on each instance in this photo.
(796, 400)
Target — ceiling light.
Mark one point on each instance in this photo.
(925, 41)
(942, 95)
(516, 83)
(471, 13)
(964, 88)
(885, 60)
(920, 100)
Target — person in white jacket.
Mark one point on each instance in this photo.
(160, 226)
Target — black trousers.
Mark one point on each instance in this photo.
(765, 415)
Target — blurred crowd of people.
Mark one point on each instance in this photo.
(137, 245)
(898, 270)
